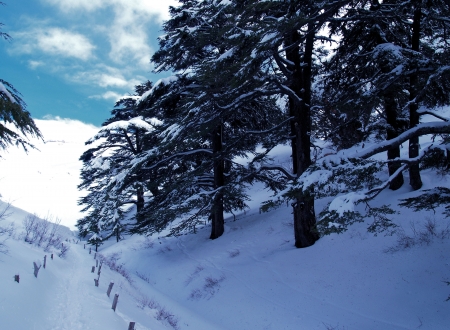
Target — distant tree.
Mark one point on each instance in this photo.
(15, 121)
(105, 165)
(95, 240)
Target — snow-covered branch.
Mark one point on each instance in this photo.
(281, 169)
(419, 130)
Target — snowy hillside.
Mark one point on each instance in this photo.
(45, 180)
(250, 278)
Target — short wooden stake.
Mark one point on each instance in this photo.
(96, 282)
(93, 269)
(114, 305)
(45, 260)
(131, 326)
(111, 284)
(95, 255)
(96, 263)
(99, 269)
(17, 278)
(36, 269)
(90, 249)
(51, 256)
(84, 246)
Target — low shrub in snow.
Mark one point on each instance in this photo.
(209, 289)
(424, 235)
(112, 262)
(162, 314)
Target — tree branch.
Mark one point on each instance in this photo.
(419, 130)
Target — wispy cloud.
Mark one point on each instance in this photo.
(35, 64)
(128, 29)
(55, 41)
(139, 7)
(106, 77)
(109, 95)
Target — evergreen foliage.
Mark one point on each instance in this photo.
(104, 174)
(250, 75)
(16, 123)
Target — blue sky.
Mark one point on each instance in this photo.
(75, 58)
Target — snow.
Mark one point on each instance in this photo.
(345, 203)
(250, 278)
(138, 122)
(164, 81)
(7, 93)
(268, 36)
(45, 180)
(225, 55)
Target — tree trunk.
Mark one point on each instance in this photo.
(393, 130)
(217, 220)
(414, 171)
(303, 208)
(140, 198)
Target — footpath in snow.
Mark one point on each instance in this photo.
(63, 296)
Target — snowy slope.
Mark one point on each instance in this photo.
(250, 278)
(44, 181)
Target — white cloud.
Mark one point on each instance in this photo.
(55, 41)
(129, 43)
(109, 95)
(34, 64)
(106, 76)
(128, 30)
(155, 8)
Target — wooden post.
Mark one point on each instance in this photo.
(95, 255)
(96, 282)
(84, 246)
(99, 269)
(93, 269)
(36, 269)
(96, 263)
(17, 278)
(51, 256)
(111, 284)
(114, 305)
(45, 260)
(131, 326)
(90, 249)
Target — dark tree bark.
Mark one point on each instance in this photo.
(414, 171)
(303, 208)
(140, 198)
(217, 220)
(393, 130)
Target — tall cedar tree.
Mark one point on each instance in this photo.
(196, 31)
(387, 66)
(273, 42)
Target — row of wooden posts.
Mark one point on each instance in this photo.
(131, 326)
(36, 269)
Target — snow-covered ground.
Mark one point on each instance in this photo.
(250, 278)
